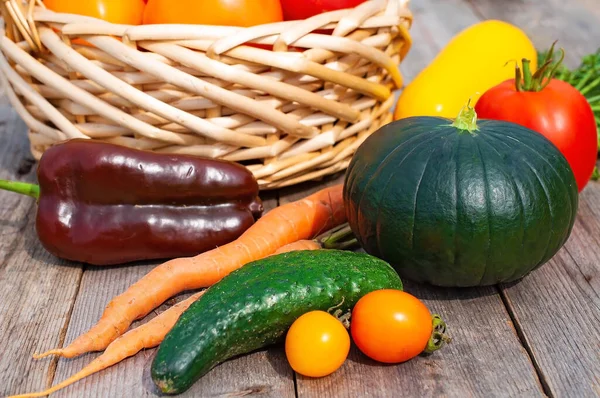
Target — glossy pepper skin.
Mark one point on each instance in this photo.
(105, 204)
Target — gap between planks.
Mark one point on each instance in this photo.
(521, 335)
(63, 333)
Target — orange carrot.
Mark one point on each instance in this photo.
(302, 219)
(147, 335)
(304, 244)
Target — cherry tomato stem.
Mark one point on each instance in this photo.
(438, 336)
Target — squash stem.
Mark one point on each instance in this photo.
(438, 337)
(21, 187)
(466, 119)
(340, 238)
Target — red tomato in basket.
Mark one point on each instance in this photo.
(127, 12)
(213, 12)
(558, 111)
(302, 9)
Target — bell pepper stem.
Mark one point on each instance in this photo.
(21, 187)
(438, 337)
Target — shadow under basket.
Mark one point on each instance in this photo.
(290, 100)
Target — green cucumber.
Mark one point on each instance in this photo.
(254, 307)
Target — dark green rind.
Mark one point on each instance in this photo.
(452, 208)
(254, 307)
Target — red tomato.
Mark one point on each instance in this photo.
(213, 12)
(558, 111)
(127, 12)
(302, 9)
(391, 326)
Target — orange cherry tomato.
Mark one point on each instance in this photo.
(213, 12)
(391, 326)
(127, 12)
(317, 344)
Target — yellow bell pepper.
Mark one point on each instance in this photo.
(475, 60)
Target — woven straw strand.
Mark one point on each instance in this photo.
(290, 100)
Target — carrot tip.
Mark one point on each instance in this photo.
(28, 395)
(58, 352)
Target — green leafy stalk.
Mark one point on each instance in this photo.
(21, 187)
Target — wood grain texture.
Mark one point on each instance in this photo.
(558, 309)
(38, 290)
(571, 23)
(263, 373)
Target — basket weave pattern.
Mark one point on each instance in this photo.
(290, 100)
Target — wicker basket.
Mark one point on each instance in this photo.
(287, 100)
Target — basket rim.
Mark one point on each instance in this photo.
(24, 19)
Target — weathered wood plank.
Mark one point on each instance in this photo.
(558, 309)
(571, 23)
(263, 373)
(14, 152)
(38, 290)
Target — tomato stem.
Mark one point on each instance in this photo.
(438, 337)
(526, 74)
(526, 81)
(339, 314)
(466, 119)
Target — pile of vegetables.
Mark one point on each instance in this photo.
(270, 293)
(475, 183)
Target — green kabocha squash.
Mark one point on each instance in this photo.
(460, 203)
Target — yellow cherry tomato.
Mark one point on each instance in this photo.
(317, 344)
(477, 59)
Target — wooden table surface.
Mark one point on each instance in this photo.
(538, 337)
